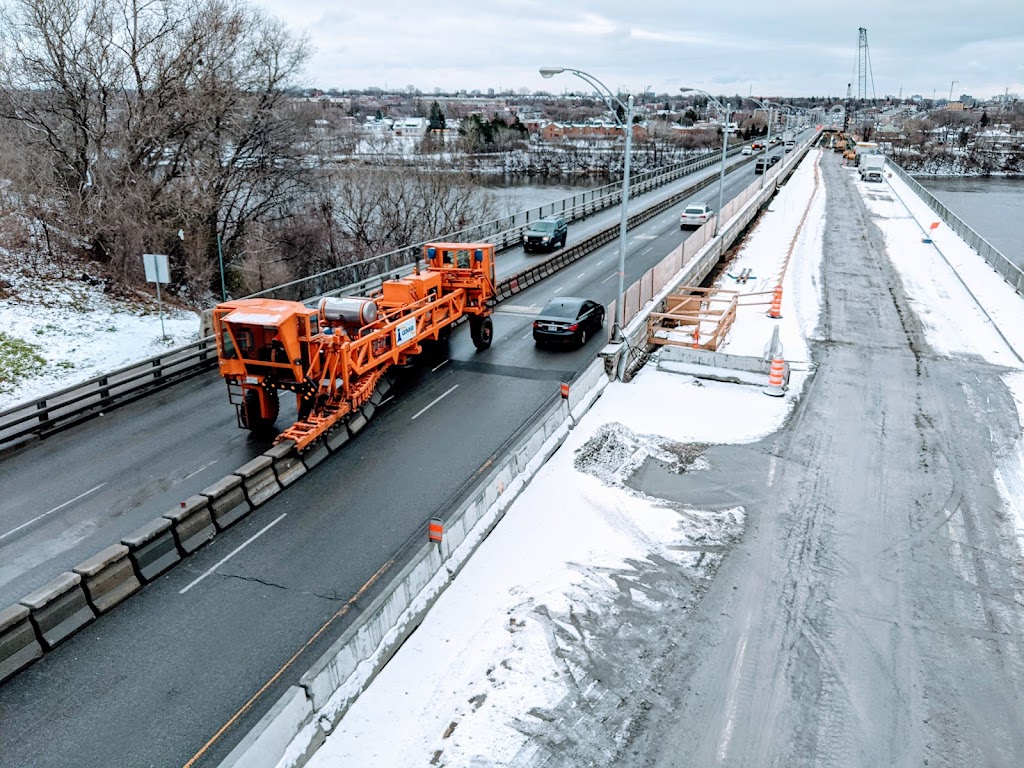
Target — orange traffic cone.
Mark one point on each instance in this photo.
(776, 309)
(776, 377)
(696, 337)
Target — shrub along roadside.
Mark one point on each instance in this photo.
(18, 360)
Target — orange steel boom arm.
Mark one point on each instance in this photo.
(332, 358)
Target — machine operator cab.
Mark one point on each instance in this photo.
(469, 266)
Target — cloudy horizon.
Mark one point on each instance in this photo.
(786, 50)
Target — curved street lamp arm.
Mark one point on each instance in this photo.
(609, 98)
(721, 107)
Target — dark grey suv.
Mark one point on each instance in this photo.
(545, 235)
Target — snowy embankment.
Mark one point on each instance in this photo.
(57, 331)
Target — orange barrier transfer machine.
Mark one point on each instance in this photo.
(332, 356)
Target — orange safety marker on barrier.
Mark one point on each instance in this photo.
(696, 337)
(776, 378)
(564, 389)
(775, 312)
(435, 531)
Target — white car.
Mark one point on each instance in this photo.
(747, 151)
(695, 216)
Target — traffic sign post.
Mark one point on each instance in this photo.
(157, 272)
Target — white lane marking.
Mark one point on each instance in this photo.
(771, 471)
(435, 401)
(387, 399)
(440, 365)
(205, 466)
(581, 275)
(235, 551)
(58, 507)
(528, 335)
(613, 274)
(557, 290)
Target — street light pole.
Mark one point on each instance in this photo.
(725, 146)
(610, 99)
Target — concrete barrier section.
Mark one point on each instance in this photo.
(383, 387)
(337, 437)
(264, 744)
(59, 609)
(356, 422)
(259, 480)
(227, 501)
(192, 523)
(288, 467)
(362, 641)
(152, 548)
(317, 452)
(108, 578)
(19, 645)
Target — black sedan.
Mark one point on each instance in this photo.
(568, 320)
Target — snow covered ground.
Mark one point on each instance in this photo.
(496, 652)
(55, 332)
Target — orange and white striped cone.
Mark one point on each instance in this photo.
(776, 377)
(775, 312)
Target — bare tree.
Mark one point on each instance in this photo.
(156, 116)
(362, 212)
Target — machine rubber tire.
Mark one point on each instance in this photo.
(254, 421)
(481, 329)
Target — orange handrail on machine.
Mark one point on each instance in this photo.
(332, 356)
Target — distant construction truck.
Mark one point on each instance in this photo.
(332, 356)
(862, 148)
(871, 167)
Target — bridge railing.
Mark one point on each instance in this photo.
(1010, 272)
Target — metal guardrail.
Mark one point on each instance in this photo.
(1010, 272)
(72, 405)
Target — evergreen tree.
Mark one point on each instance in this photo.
(984, 121)
(437, 121)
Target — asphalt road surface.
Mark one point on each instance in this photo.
(872, 613)
(155, 679)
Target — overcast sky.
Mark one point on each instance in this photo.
(787, 48)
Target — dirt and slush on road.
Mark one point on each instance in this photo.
(854, 595)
